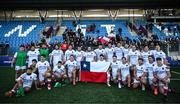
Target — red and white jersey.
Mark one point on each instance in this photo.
(42, 66)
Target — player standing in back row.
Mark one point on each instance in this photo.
(20, 61)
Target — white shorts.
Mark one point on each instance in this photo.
(150, 80)
(70, 73)
(136, 81)
(29, 64)
(162, 84)
(20, 67)
(59, 75)
(26, 85)
(114, 75)
(41, 77)
(124, 76)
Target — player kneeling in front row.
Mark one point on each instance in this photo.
(162, 75)
(71, 69)
(125, 72)
(59, 74)
(140, 74)
(44, 71)
(24, 84)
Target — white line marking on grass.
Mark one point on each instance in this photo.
(175, 79)
(175, 72)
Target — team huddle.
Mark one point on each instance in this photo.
(129, 67)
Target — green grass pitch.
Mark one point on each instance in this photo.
(86, 92)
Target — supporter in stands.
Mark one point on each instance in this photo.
(20, 61)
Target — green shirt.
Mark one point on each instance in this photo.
(45, 52)
(20, 58)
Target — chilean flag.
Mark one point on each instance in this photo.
(94, 71)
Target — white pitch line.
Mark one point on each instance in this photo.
(175, 72)
(175, 79)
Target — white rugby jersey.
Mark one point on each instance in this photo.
(145, 56)
(134, 57)
(42, 66)
(159, 54)
(126, 52)
(90, 56)
(57, 56)
(57, 69)
(119, 52)
(109, 53)
(79, 55)
(68, 53)
(99, 52)
(124, 68)
(150, 69)
(115, 66)
(28, 79)
(71, 65)
(161, 71)
(32, 55)
(140, 69)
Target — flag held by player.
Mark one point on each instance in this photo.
(94, 71)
